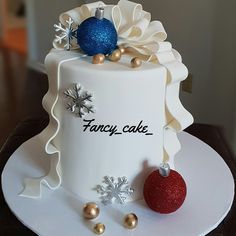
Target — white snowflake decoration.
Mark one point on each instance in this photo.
(119, 191)
(67, 34)
(79, 101)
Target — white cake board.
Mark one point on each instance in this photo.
(210, 196)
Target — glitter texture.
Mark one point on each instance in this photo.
(114, 190)
(97, 36)
(67, 35)
(79, 101)
(164, 194)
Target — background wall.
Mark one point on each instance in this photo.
(3, 6)
(234, 139)
(13, 5)
(202, 31)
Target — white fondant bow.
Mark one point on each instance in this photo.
(135, 29)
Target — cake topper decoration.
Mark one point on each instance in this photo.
(98, 59)
(164, 190)
(67, 36)
(97, 35)
(136, 62)
(104, 28)
(99, 14)
(118, 191)
(130, 221)
(99, 228)
(91, 211)
(79, 101)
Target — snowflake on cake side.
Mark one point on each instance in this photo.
(67, 34)
(114, 191)
(79, 101)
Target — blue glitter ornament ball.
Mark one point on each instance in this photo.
(96, 36)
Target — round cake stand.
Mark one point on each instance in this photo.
(210, 196)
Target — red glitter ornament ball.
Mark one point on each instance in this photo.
(164, 194)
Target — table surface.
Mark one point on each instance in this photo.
(211, 135)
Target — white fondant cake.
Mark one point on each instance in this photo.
(136, 113)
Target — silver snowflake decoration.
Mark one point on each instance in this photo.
(118, 191)
(79, 101)
(67, 34)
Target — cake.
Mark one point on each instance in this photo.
(110, 122)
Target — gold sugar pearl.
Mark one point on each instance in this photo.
(98, 59)
(115, 55)
(136, 62)
(130, 221)
(122, 49)
(99, 228)
(91, 211)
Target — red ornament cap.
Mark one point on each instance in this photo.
(164, 194)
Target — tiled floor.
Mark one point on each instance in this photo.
(21, 91)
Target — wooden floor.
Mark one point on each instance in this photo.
(21, 91)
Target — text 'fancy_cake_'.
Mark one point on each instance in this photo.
(114, 108)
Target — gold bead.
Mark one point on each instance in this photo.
(136, 62)
(91, 211)
(115, 56)
(130, 221)
(122, 49)
(98, 59)
(99, 228)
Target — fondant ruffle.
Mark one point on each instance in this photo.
(53, 178)
(177, 117)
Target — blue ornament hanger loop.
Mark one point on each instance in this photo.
(99, 14)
